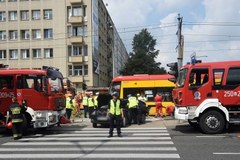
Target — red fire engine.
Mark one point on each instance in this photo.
(208, 95)
(41, 88)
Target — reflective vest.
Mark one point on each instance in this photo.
(70, 103)
(16, 112)
(85, 101)
(133, 102)
(90, 102)
(96, 101)
(144, 99)
(115, 107)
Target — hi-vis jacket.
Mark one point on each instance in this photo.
(70, 103)
(132, 102)
(85, 101)
(90, 102)
(115, 108)
(16, 112)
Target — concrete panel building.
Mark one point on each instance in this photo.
(76, 36)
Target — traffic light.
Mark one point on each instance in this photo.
(84, 86)
(173, 70)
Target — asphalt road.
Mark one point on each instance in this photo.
(157, 139)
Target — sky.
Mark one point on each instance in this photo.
(211, 28)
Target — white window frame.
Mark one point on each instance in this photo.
(13, 35)
(25, 34)
(25, 54)
(13, 54)
(36, 15)
(2, 16)
(24, 15)
(3, 35)
(12, 15)
(48, 53)
(78, 71)
(48, 33)
(47, 13)
(77, 11)
(36, 34)
(3, 54)
(36, 53)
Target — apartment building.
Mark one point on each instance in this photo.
(76, 36)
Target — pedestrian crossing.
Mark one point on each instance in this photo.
(93, 143)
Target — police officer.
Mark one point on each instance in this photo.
(70, 104)
(16, 112)
(132, 106)
(85, 105)
(115, 112)
(91, 105)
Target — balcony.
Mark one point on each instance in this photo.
(76, 39)
(76, 59)
(76, 19)
(75, 1)
(75, 79)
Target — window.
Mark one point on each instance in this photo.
(85, 70)
(77, 11)
(77, 50)
(25, 53)
(35, 14)
(69, 13)
(25, 34)
(77, 70)
(218, 77)
(36, 53)
(69, 31)
(36, 34)
(47, 14)
(6, 82)
(48, 53)
(3, 54)
(198, 77)
(70, 70)
(3, 16)
(233, 77)
(24, 15)
(77, 31)
(13, 54)
(13, 35)
(3, 35)
(12, 15)
(48, 33)
(2, 0)
(12, 0)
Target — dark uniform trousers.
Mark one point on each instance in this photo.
(17, 129)
(133, 113)
(112, 119)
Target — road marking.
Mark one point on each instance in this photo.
(140, 149)
(210, 136)
(88, 143)
(101, 134)
(227, 153)
(93, 138)
(95, 156)
(123, 131)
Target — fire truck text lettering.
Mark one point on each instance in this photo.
(231, 93)
(6, 94)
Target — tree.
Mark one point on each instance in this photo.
(141, 60)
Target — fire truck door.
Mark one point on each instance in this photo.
(199, 86)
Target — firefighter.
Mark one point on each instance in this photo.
(158, 102)
(91, 105)
(16, 112)
(132, 106)
(115, 113)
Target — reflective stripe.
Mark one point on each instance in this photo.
(17, 120)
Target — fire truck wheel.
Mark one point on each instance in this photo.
(212, 122)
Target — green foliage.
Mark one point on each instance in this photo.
(141, 60)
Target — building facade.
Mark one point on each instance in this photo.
(76, 36)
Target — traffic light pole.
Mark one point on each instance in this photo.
(180, 43)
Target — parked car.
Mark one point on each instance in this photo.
(100, 116)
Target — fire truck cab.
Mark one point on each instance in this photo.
(42, 89)
(208, 95)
